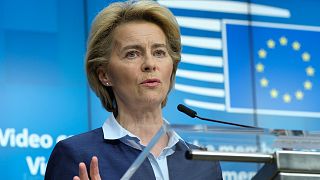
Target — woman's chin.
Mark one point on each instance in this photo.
(152, 101)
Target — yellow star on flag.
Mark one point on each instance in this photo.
(264, 82)
(296, 46)
(299, 95)
(310, 71)
(260, 67)
(307, 85)
(271, 44)
(262, 53)
(286, 98)
(306, 57)
(283, 41)
(274, 93)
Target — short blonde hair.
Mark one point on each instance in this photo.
(100, 42)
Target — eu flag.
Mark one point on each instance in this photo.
(276, 71)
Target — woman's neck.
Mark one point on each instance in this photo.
(144, 124)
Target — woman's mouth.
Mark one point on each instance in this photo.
(151, 82)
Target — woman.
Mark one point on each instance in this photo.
(132, 57)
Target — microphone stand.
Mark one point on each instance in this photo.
(193, 114)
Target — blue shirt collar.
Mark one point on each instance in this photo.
(113, 130)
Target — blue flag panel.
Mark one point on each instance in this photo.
(279, 65)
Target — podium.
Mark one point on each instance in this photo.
(282, 165)
(282, 154)
(291, 165)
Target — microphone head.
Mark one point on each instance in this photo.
(187, 111)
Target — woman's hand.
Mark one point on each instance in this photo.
(94, 171)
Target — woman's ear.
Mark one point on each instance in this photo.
(103, 77)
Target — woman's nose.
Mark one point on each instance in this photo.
(149, 64)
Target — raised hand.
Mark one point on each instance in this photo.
(94, 170)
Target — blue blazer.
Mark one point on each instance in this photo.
(115, 158)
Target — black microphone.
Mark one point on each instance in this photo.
(193, 114)
(187, 111)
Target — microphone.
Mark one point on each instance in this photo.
(187, 111)
(193, 114)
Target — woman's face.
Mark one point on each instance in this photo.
(140, 67)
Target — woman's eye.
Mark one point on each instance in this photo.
(132, 54)
(159, 53)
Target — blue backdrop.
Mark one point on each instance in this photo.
(251, 62)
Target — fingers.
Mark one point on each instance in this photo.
(94, 169)
(83, 175)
